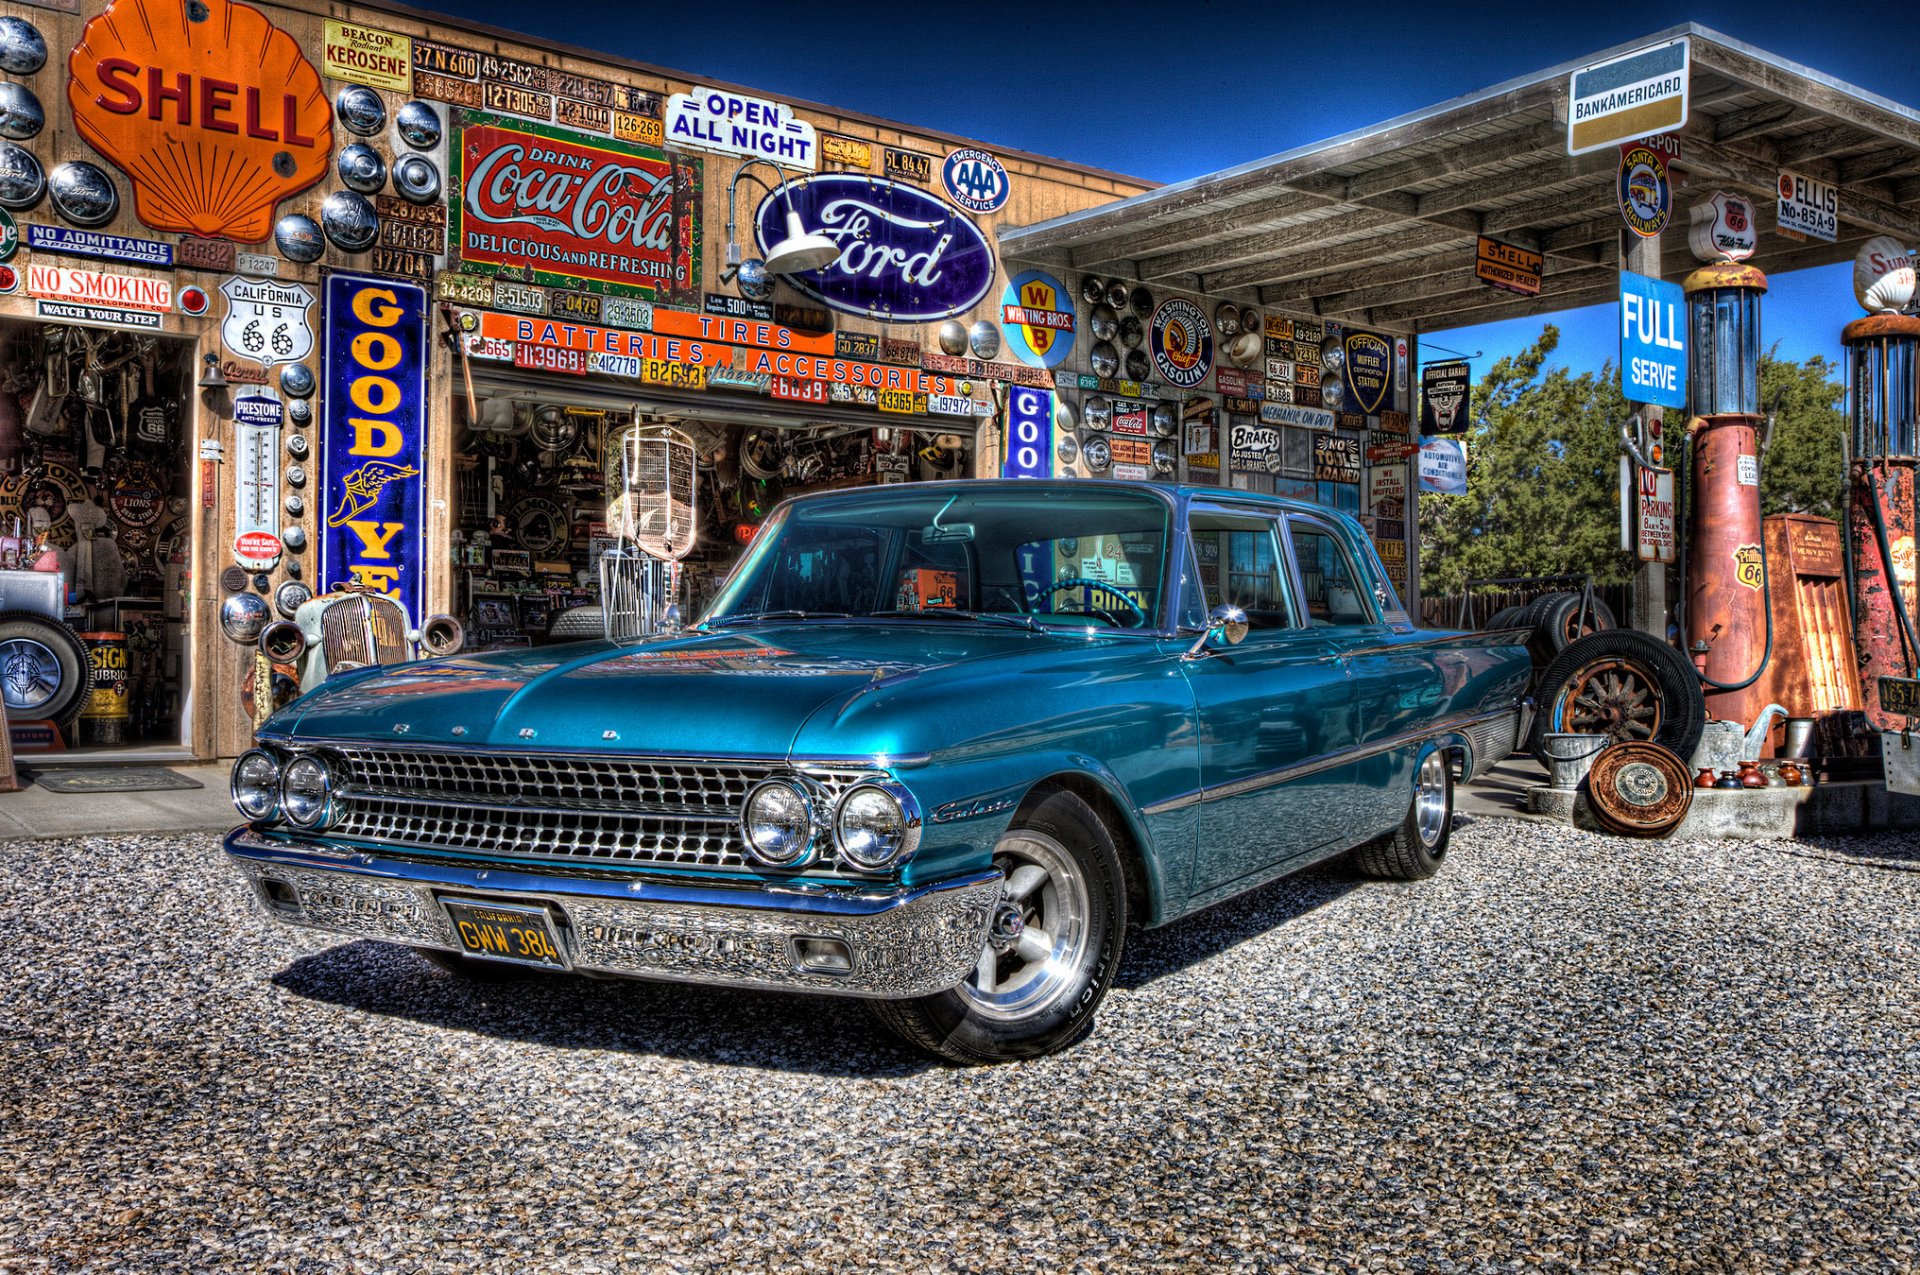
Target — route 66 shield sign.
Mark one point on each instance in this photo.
(267, 320)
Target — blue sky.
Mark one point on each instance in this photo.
(1170, 91)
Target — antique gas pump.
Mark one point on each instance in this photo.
(1728, 628)
(1885, 396)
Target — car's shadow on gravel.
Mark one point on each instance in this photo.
(821, 1035)
(1153, 954)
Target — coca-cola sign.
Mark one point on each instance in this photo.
(579, 211)
(905, 256)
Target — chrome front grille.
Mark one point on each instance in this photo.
(613, 812)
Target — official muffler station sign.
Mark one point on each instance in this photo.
(1628, 97)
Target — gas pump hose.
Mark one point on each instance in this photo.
(1907, 644)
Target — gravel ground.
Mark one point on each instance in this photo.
(1566, 1052)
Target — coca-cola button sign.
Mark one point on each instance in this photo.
(905, 256)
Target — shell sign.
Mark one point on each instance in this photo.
(211, 110)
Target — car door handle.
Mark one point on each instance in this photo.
(1336, 657)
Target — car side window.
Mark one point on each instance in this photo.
(1330, 585)
(1237, 561)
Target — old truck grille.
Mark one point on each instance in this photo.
(614, 812)
(364, 629)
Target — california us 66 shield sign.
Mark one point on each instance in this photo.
(267, 321)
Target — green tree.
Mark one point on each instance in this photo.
(1803, 469)
(1542, 478)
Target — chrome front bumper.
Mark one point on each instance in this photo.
(899, 941)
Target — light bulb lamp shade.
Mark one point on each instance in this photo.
(799, 251)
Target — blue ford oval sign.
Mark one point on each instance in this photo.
(905, 256)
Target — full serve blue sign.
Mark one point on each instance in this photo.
(905, 256)
(373, 495)
(1653, 341)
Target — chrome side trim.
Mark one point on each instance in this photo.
(905, 941)
(1326, 761)
(821, 761)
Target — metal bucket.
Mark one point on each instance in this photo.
(1570, 757)
(1799, 743)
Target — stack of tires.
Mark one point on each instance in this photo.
(1598, 679)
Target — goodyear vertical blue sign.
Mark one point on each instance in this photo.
(373, 425)
(1029, 434)
(1653, 341)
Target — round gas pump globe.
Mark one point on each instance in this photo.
(1883, 275)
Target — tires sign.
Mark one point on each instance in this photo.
(266, 320)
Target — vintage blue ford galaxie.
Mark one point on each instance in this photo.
(937, 745)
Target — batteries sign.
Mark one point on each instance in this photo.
(1029, 434)
(1653, 341)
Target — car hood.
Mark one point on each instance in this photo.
(737, 692)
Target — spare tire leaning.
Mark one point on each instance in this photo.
(44, 672)
(1558, 623)
(1624, 684)
(1505, 618)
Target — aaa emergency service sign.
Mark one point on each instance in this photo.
(581, 211)
(372, 492)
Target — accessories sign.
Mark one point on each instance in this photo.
(1627, 97)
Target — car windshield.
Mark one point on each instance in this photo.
(1028, 555)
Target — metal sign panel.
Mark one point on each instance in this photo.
(1809, 207)
(373, 434)
(1628, 97)
(1653, 341)
(733, 124)
(1443, 466)
(1508, 267)
(1654, 509)
(1029, 451)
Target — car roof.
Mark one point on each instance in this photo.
(1179, 493)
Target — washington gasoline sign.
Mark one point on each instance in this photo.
(1653, 341)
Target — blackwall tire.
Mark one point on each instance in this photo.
(1505, 618)
(1039, 996)
(1415, 850)
(1559, 623)
(44, 672)
(1624, 684)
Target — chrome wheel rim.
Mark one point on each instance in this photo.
(1430, 800)
(29, 672)
(1044, 961)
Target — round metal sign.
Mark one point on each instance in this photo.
(1182, 343)
(976, 180)
(361, 110)
(21, 115)
(298, 238)
(361, 168)
(417, 180)
(1038, 317)
(83, 193)
(419, 125)
(1639, 789)
(23, 50)
(22, 180)
(233, 579)
(349, 220)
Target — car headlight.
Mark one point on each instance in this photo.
(777, 822)
(255, 785)
(876, 826)
(306, 791)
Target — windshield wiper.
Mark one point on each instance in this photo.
(954, 613)
(754, 617)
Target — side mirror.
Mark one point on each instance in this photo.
(1226, 624)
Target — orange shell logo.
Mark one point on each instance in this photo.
(215, 121)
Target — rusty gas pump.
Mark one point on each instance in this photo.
(1884, 393)
(1727, 627)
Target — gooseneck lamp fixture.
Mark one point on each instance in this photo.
(801, 250)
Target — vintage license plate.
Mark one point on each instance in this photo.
(1900, 695)
(510, 932)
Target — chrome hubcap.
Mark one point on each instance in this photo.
(1042, 919)
(1430, 799)
(29, 673)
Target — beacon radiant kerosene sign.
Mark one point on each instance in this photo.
(582, 212)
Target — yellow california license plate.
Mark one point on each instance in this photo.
(523, 935)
